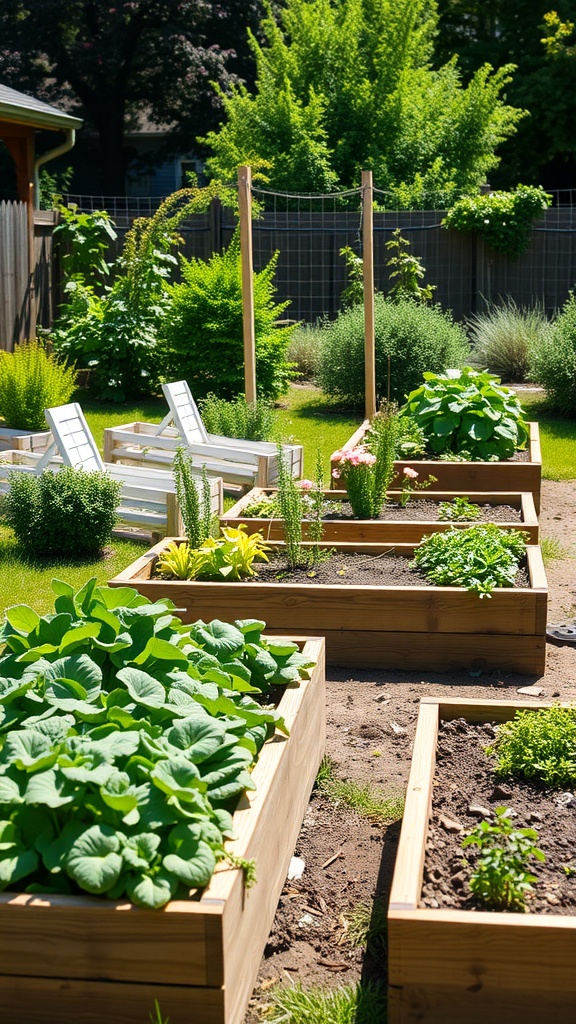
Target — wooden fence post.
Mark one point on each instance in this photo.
(245, 205)
(368, 265)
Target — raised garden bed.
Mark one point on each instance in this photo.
(24, 440)
(523, 473)
(84, 960)
(397, 526)
(447, 966)
(371, 626)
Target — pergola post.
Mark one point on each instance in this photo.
(368, 266)
(245, 207)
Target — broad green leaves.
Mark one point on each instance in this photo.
(468, 413)
(124, 737)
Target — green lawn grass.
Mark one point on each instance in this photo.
(557, 438)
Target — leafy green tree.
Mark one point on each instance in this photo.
(347, 84)
(108, 62)
(512, 31)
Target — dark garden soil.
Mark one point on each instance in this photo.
(371, 717)
(466, 791)
(385, 570)
(426, 510)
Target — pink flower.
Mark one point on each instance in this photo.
(410, 473)
(306, 485)
(339, 455)
(336, 474)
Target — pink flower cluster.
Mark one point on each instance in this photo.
(409, 472)
(353, 457)
(306, 485)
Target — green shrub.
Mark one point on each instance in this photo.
(503, 219)
(468, 412)
(254, 421)
(504, 336)
(32, 380)
(415, 336)
(304, 350)
(553, 361)
(202, 334)
(68, 514)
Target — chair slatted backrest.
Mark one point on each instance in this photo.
(73, 437)
(185, 414)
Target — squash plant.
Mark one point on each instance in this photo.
(126, 738)
(468, 413)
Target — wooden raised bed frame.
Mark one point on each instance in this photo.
(406, 627)
(478, 477)
(24, 440)
(454, 966)
(384, 531)
(83, 960)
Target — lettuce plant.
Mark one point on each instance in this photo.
(468, 412)
(125, 739)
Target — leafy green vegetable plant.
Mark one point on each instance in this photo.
(125, 738)
(31, 380)
(64, 514)
(460, 509)
(501, 878)
(478, 558)
(230, 556)
(538, 745)
(468, 411)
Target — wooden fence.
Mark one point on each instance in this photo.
(26, 287)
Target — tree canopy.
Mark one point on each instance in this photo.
(343, 85)
(541, 43)
(108, 60)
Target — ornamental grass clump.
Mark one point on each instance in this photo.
(468, 413)
(478, 558)
(31, 380)
(126, 738)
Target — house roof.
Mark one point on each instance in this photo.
(22, 109)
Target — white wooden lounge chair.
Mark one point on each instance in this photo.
(148, 498)
(239, 462)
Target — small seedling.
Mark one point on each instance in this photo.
(459, 509)
(501, 879)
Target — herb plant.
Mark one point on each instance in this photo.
(193, 497)
(478, 558)
(501, 878)
(468, 411)
(254, 421)
(538, 745)
(64, 514)
(459, 509)
(291, 511)
(125, 738)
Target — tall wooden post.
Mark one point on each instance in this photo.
(368, 261)
(245, 204)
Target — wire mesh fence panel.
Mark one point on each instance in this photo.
(308, 233)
